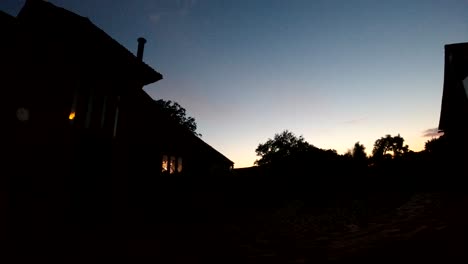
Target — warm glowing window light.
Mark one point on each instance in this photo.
(179, 165)
(71, 116)
(172, 165)
(164, 163)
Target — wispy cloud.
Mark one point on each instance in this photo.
(172, 9)
(355, 121)
(432, 132)
(154, 18)
(185, 6)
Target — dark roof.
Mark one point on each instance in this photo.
(457, 45)
(9, 40)
(454, 108)
(86, 43)
(4, 17)
(185, 133)
(151, 131)
(6, 21)
(205, 145)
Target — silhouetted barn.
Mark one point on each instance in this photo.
(76, 124)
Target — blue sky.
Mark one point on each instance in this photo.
(336, 72)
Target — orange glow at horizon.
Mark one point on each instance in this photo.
(71, 116)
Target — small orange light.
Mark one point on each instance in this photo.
(71, 116)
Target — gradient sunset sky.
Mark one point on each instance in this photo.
(336, 72)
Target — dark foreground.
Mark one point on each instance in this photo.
(213, 227)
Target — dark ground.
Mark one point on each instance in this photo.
(382, 227)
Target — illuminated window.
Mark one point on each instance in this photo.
(164, 163)
(179, 164)
(71, 116)
(172, 165)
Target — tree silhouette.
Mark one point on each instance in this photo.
(436, 145)
(359, 152)
(178, 113)
(388, 144)
(283, 145)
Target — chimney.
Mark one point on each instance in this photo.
(141, 47)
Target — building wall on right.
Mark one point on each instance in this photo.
(455, 91)
(454, 108)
